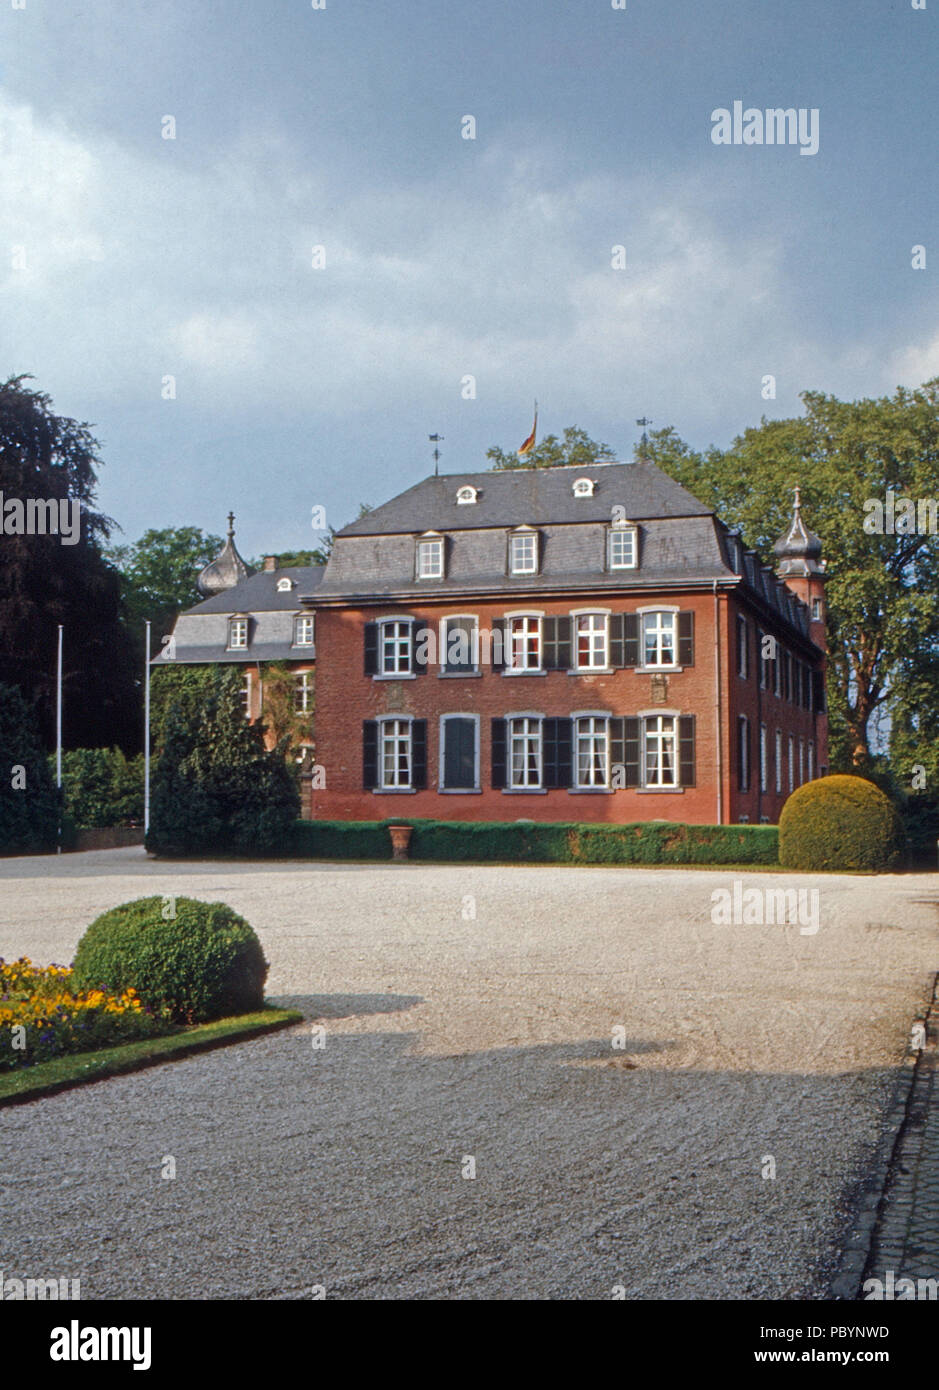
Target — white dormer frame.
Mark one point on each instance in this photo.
(466, 496)
(583, 487)
(428, 539)
(524, 533)
(285, 584)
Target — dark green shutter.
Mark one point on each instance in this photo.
(371, 649)
(556, 636)
(624, 640)
(369, 753)
(557, 752)
(418, 754)
(417, 638)
(686, 639)
(498, 753)
(459, 754)
(686, 759)
(624, 749)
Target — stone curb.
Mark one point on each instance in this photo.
(856, 1251)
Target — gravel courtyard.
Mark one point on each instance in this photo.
(470, 1012)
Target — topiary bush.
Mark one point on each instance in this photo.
(840, 822)
(192, 960)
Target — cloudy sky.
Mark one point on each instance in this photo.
(133, 257)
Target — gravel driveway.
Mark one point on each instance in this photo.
(469, 1014)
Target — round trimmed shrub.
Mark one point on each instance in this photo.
(205, 962)
(840, 822)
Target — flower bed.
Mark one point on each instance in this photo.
(41, 1017)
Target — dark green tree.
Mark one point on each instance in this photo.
(158, 578)
(575, 447)
(44, 582)
(216, 787)
(29, 800)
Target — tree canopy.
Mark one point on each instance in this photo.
(158, 577)
(575, 447)
(45, 582)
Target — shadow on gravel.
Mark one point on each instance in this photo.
(345, 1005)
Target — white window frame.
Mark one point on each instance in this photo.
(397, 639)
(596, 732)
(743, 663)
(792, 772)
(764, 771)
(647, 615)
(518, 538)
(429, 545)
(598, 625)
(532, 735)
(510, 666)
(304, 691)
(801, 762)
(284, 585)
(241, 626)
(743, 751)
(299, 623)
(466, 496)
(811, 760)
(583, 487)
(441, 783)
(779, 752)
(397, 739)
(777, 671)
(246, 695)
(613, 532)
(659, 735)
(816, 610)
(443, 632)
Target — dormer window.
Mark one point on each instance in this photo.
(303, 627)
(622, 547)
(237, 634)
(583, 487)
(284, 585)
(429, 562)
(523, 552)
(466, 496)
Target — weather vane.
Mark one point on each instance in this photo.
(436, 439)
(645, 438)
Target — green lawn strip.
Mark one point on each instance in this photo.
(61, 1073)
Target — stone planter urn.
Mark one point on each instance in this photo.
(400, 839)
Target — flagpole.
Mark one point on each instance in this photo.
(146, 733)
(58, 734)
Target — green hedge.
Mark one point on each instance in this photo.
(102, 788)
(546, 842)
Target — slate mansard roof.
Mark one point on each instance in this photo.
(682, 542)
(201, 633)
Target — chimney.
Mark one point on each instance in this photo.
(270, 562)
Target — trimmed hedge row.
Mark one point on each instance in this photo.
(544, 842)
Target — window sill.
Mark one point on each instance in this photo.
(591, 671)
(524, 791)
(590, 791)
(658, 670)
(456, 675)
(659, 791)
(403, 676)
(524, 672)
(459, 791)
(394, 791)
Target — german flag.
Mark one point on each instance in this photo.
(530, 441)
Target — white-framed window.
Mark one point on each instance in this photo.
(394, 647)
(591, 751)
(791, 763)
(237, 634)
(801, 761)
(303, 693)
(583, 487)
(811, 757)
(524, 760)
(816, 610)
(459, 753)
(524, 644)
(659, 639)
(763, 758)
(761, 660)
(284, 585)
(459, 644)
(777, 671)
(660, 751)
(591, 633)
(743, 753)
(466, 496)
(742, 647)
(394, 753)
(303, 629)
(523, 553)
(430, 558)
(622, 547)
(778, 762)
(246, 695)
